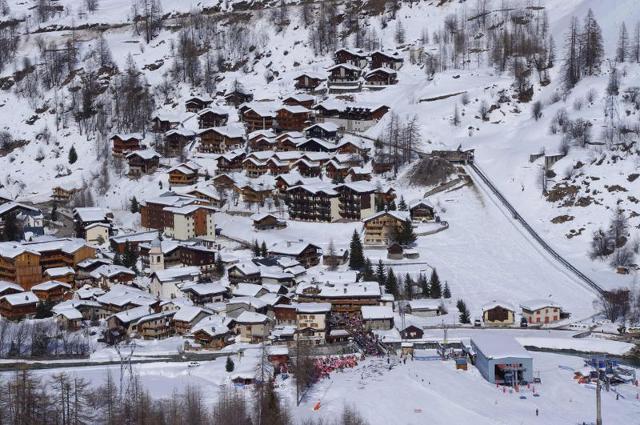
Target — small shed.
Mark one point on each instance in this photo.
(501, 359)
(395, 251)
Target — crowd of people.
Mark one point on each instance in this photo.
(325, 365)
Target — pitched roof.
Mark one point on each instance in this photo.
(249, 317)
(313, 308)
(49, 285)
(376, 312)
(537, 304)
(189, 313)
(21, 298)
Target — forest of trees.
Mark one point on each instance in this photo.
(65, 399)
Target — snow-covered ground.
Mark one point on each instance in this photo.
(417, 392)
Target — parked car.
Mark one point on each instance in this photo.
(524, 323)
(193, 364)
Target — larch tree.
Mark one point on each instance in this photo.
(622, 50)
(571, 63)
(591, 49)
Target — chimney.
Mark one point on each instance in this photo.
(345, 289)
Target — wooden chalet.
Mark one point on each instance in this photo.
(324, 130)
(60, 194)
(224, 181)
(125, 143)
(237, 97)
(18, 306)
(246, 272)
(60, 274)
(143, 162)
(254, 167)
(312, 203)
(229, 162)
(390, 60)
(261, 144)
(309, 81)
(259, 116)
(344, 74)
(411, 332)
(197, 103)
(292, 118)
(304, 100)
(119, 243)
(175, 140)
(163, 122)
(317, 145)
(357, 200)
(307, 168)
(277, 166)
(52, 291)
(268, 222)
(347, 298)
(307, 254)
(212, 117)
(221, 139)
(214, 338)
(381, 77)
(380, 228)
(207, 193)
(422, 211)
(336, 171)
(183, 174)
(199, 256)
(253, 194)
(357, 174)
(352, 57)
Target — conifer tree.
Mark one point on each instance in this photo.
(391, 284)
(229, 366)
(255, 249)
(408, 284)
(263, 249)
(435, 289)
(54, 212)
(381, 277)
(73, 155)
(464, 312)
(622, 51)
(135, 206)
(402, 205)
(592, 49)
(446, 292)
(367, 273)
(423, 283)
(219, 265)
(571, 64)
(356, 257)
(407, 235)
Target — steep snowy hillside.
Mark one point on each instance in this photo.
(485, 255)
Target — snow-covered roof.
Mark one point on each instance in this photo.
(537, 304)
(359, 186)
(498, 346)
(300, 97)
(328, 126)
(343, 289)
(133, 314)
(249, 317)
(188, 209)
(246, 290)
(128, 136)
(316, 188)
(263, 109)
(49, 285)
(380, 70)
(21, 298)
(376, 312)
(250, 301)
(188, 313)
(353, 52)
(400, 215)
(344, 65)
(9, 206)
(91, 214)
(271, 298)
(209, 288)
(215, 109)
(290, 248)
(246, 267)
(425, 304)
(144, 154)
(497, 303)
(59, 271)
(177, 273)
(135, 237)
(313, 308)
(69, 313)
(111, 270)
(294, 109)
(4, 285)
(46, 244)
(230, 131)
(313, 75)
(89, 292)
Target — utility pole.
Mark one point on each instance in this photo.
(598, 401)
